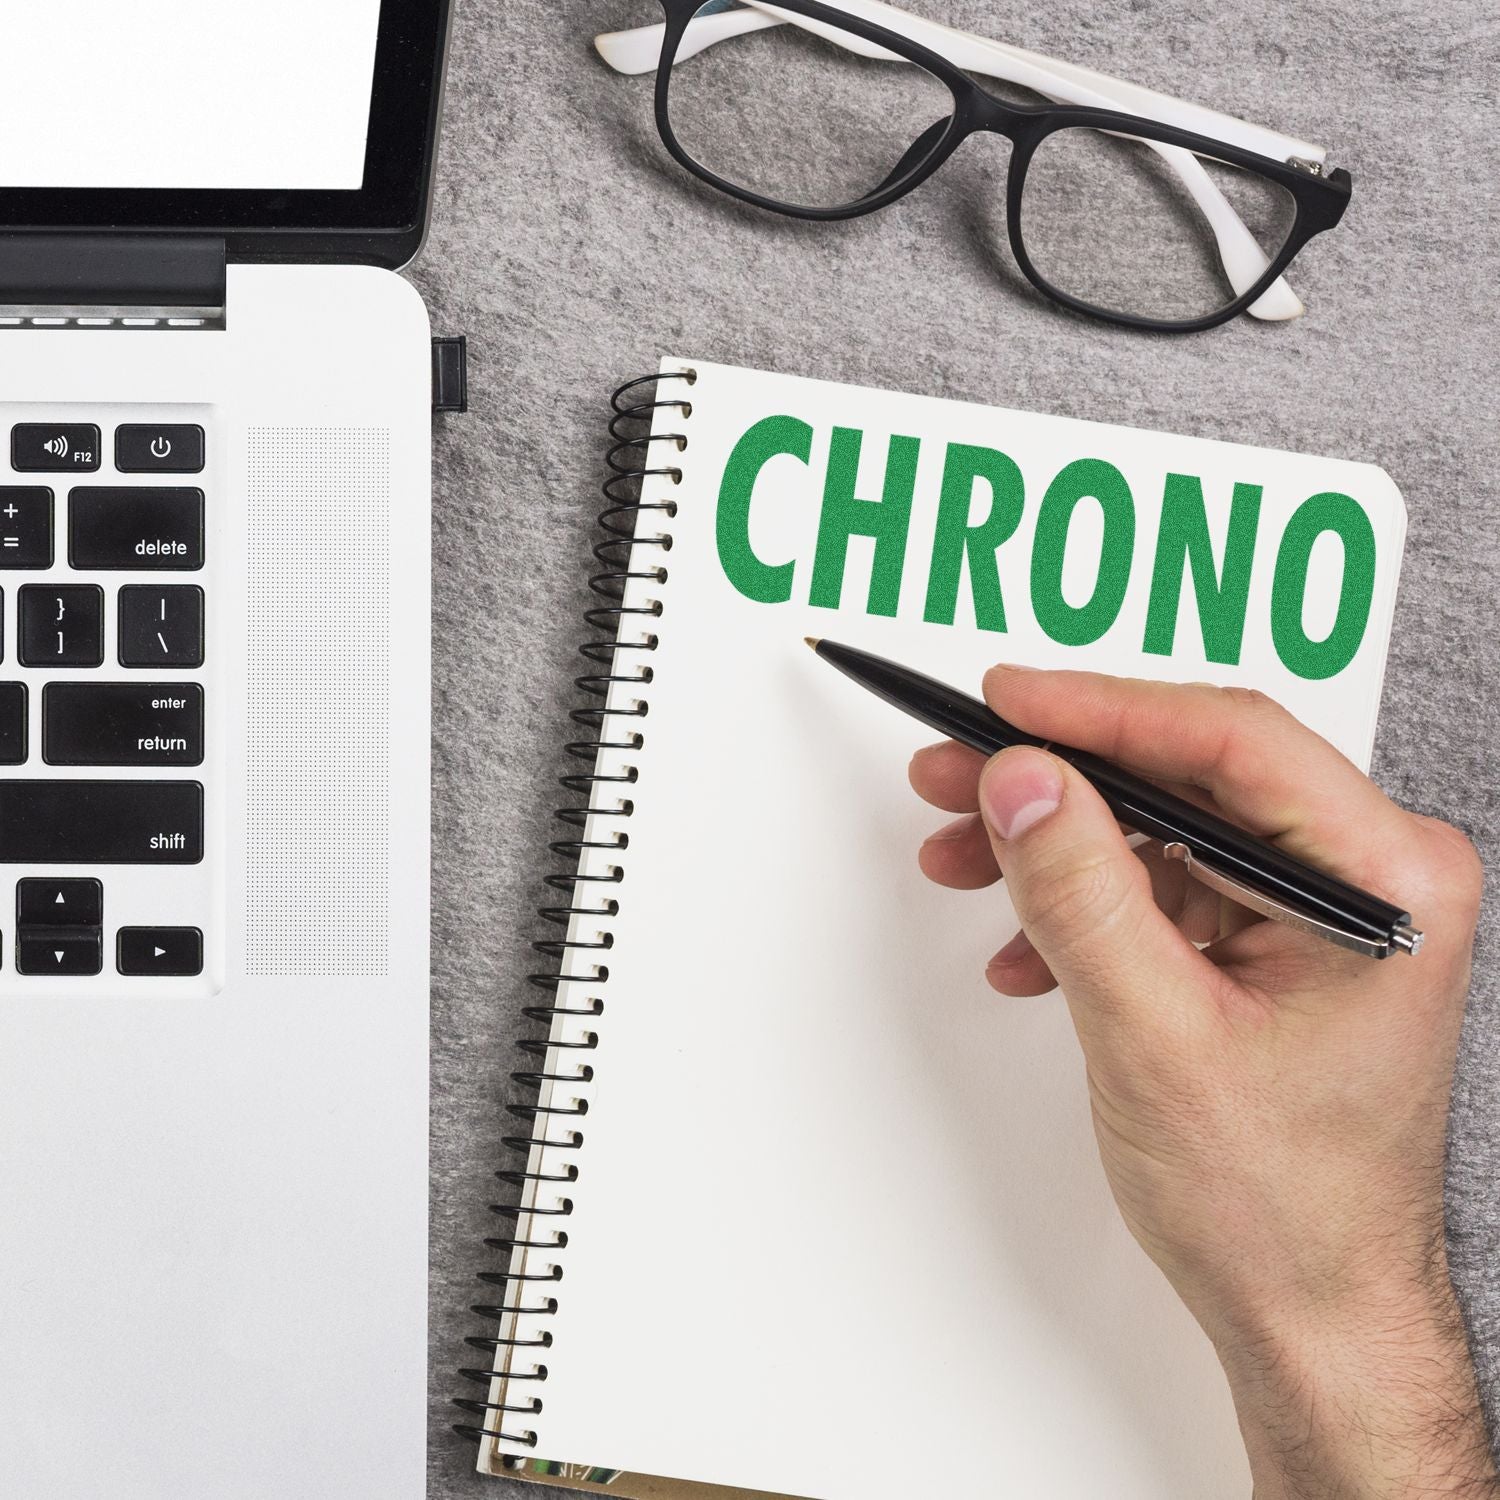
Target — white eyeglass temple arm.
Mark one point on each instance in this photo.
(638, 50)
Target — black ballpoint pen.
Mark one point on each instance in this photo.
(1237, 864)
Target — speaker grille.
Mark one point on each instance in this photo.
(318, 771)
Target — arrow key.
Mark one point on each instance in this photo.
(59, 903)
(59, 950)
(159, 951)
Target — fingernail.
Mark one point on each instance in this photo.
(949, 831)
(1013, 952)
(1018, 789)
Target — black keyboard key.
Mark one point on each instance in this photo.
(70, 902)
(61, 625)
(122, 724)
(13, 725)
(159, 449)
(53, 447)
(135, 529)
(101, 822)
(159, 950)
(63, 950)
(161, 626)
(25, 526)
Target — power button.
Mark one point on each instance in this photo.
(159, 449)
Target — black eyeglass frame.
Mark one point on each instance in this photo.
(1319, 200)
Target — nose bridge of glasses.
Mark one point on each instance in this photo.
(988, 111)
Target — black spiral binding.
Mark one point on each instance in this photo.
(631, 462)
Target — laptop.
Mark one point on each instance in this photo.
(215, 440)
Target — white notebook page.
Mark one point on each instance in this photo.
(840, 1220)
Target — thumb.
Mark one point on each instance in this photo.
(1085, 900)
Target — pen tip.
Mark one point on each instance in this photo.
(812, 641)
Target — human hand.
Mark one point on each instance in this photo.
(1270, 1110)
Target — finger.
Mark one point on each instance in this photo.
(1086, 902)
(1201, 915)
(1169, 879)
(1018, 969)
(1265, 769)
(959, 856)
(947, 776)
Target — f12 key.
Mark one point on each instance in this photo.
(52, 447)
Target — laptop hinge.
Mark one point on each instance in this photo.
(111, 280)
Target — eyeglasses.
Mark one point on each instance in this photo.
(1121, 203)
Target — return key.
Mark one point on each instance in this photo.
(122, 724)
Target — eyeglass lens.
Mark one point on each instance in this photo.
(1129, 225)
(787, 115)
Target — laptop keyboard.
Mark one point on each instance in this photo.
(108, 779)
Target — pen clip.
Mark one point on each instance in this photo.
(1268, 906)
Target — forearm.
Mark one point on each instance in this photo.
(1379, 1408)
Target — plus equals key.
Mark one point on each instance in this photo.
(25, 526)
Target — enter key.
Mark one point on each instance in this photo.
(122, 724)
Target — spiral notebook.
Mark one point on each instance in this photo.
(804, 1208)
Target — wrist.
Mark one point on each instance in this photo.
(1370, 1399)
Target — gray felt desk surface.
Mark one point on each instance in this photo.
(573, 254)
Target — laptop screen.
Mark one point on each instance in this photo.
(294, 129)
(186, 93)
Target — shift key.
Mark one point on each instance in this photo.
(136, 528)
(101, 822)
